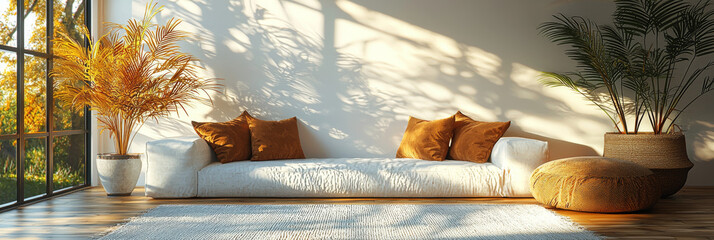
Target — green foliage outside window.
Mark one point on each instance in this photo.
(69, 166)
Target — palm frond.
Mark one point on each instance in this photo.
(134, 73)
(644, 16)
(630, 55)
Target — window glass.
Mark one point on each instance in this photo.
(35, 93)
(8, 174)
(8, 95)
(68, 161)
(65, 118)
(35, 168)
(8, 23)
(70, 16)
(68, 151)
(36, 25)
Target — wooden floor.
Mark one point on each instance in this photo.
(689, 214)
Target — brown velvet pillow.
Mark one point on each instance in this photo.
(271, 140)
(474, 140)
(427, 140)
(229, 140)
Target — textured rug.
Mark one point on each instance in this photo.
(350, 221)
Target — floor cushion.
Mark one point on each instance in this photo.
(594, 184)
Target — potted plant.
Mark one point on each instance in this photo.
(134, 73)
(646, 65)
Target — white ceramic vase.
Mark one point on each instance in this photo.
(118, 173)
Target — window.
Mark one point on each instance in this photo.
(43, 146)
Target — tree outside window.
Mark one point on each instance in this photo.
(68, 150)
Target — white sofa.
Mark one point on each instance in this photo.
(186, 167)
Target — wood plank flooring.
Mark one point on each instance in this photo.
(689, 214)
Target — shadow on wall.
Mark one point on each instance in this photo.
(353, 76)
(700, 147)
(573, 149)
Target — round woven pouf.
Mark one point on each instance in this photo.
(595, 184)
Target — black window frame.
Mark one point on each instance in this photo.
(20, 135)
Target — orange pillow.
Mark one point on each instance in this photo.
(272, 140)
(427, 140)
(229, 140)
(474, 140)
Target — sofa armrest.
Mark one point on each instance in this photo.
(518, 157)
(173, 164)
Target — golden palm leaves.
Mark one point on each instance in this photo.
(134, 73)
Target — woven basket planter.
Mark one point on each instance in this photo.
(664, 154)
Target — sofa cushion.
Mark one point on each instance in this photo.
(427, 140)
(229, 140)
(274, 139)
(352, 177)
(474, 140)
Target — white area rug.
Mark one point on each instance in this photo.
(350, 221)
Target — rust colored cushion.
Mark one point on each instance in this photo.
(271, 140)
(229, 140)
(427, 140)
(474, 140)
(595, 184)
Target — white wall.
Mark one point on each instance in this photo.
(353, 71)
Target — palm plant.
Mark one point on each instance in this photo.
(132, 74)
(644, 65)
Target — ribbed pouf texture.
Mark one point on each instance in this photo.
(595, 184)
(351, 221)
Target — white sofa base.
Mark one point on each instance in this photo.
(351, 177)
(185, 167)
